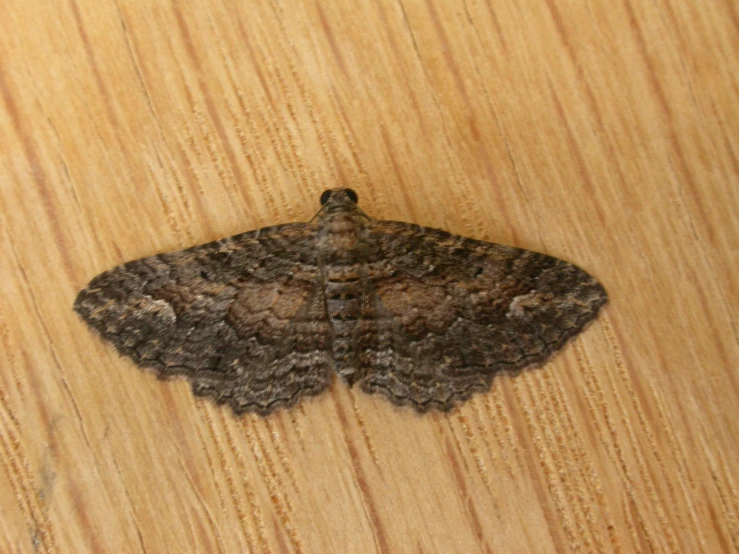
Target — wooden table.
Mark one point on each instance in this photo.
(605, 133)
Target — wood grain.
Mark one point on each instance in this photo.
(603, 133)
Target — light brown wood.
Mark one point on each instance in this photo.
(605, 133)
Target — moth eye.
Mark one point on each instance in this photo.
(325, 196)
(352, 195)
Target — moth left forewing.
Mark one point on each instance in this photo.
(229, 315)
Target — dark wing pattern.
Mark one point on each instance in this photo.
(242, 318)
(452, 312)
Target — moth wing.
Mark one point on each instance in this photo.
(452, 312)
(241, 318)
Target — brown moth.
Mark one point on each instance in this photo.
(260, 319)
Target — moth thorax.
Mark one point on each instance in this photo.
(340, 237)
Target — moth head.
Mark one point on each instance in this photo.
(338, 196)
(339, 203)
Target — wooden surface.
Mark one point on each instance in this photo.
(605, 133)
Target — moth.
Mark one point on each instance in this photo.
(261, 319)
